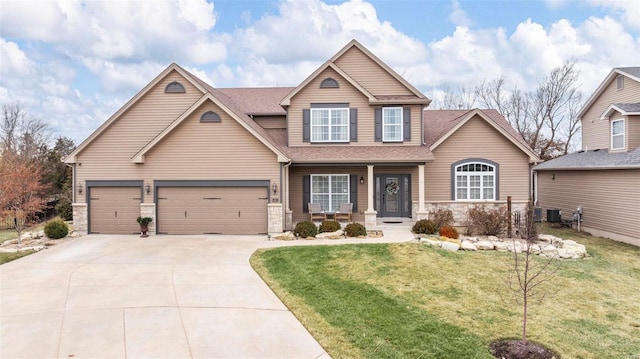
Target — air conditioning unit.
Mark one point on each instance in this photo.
(554, 215)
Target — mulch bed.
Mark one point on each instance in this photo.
(517, 349)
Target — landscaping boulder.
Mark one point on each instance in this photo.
(487, 245)
(433, 242)
(579, 250)
(468, 246)
(450, 246)
(330, 235)
(501, 246)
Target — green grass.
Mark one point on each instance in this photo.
(8, 257)
(411, 300)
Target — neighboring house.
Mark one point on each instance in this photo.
(604, 177)
(200, 159)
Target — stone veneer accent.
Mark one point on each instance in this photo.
(275, 218)
(460, 209)
(288, 224)
(370, 219)
(80, 221)
(149, 210)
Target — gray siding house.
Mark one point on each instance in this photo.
(604, 177)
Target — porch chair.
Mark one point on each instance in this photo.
(345, 212)
(316, 212)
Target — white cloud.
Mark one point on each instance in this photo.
(14, 60)
(458, 16)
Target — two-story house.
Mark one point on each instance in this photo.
(200, 159)
(604, 177)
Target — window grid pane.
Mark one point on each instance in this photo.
(392, 124)
(475, 181)
(329, 125)
(330, 191)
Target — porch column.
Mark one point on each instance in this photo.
(288, 214)
(421, 213)
(370, 214)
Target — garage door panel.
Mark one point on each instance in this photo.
(114, 210)
(226, 210)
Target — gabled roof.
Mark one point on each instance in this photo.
(441, 124)
(209, 93)
(287, 100)
(228, 106)
(593, 160)
(418, 99)
(625, 109)
(630, 72)
(173, 67)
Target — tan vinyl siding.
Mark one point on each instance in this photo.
(369, 74)
(478, 139)
(596, 132)
(633, 136)
(297, 175)
(192, 151)
(347, 93)
(271, 121)
(610, 198)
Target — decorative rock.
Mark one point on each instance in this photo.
(26, 235)
(486, 245)
(330, 235)
(74, 234)
(501, 246)
(8, 250)
(433, 243)
(578, 249)
(493, 238)
(468, 246)
(549, 251)
(450, 246)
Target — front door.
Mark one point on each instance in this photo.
(393, 197)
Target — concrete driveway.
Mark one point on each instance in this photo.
(105, 296)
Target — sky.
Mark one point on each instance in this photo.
(74, 63)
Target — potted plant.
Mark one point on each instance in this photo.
(144, 226)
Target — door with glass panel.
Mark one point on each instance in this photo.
(393, 195)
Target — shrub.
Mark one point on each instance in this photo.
(425, 226)
(144, 220)
(306, 229)
(355, 230)
(329, 226)
(449, 232)
(64, 209)
(492, 222)
(443, 217)
(56, 229)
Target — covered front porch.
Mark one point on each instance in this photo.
(379, 192)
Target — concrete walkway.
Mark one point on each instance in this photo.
(106, 296)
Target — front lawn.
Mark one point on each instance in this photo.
(415, 301)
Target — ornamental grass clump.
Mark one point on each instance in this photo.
(355, 230)
(449, 232)
(306, 229)
(329, 226)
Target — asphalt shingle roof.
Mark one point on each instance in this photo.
(594, 159)
(633, 71)
(628, 107)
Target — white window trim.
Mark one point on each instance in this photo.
(384, 138)
(624, 130)
(331, 175)
(330, 126)
(467, 174)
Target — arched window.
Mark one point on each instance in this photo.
(174, 87)
(475, 180)
(210, 116)
(329, 83)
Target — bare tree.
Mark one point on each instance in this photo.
(23, 135)
(459, 98)
(545, 117)
(529, 271)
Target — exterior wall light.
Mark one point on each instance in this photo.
(361, 180)
(147, 188)
(80, 188)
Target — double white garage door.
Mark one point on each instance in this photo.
(182, 210)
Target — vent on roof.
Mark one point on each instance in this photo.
(210, 116)
(329, 83)
(174, 87)
(619, 82)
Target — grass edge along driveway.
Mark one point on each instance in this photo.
(410, 301)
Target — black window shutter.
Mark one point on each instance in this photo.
(378, 123)
(353, 130)
(306, 193)
(407, 123)
(353, 191)
(306, 125)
